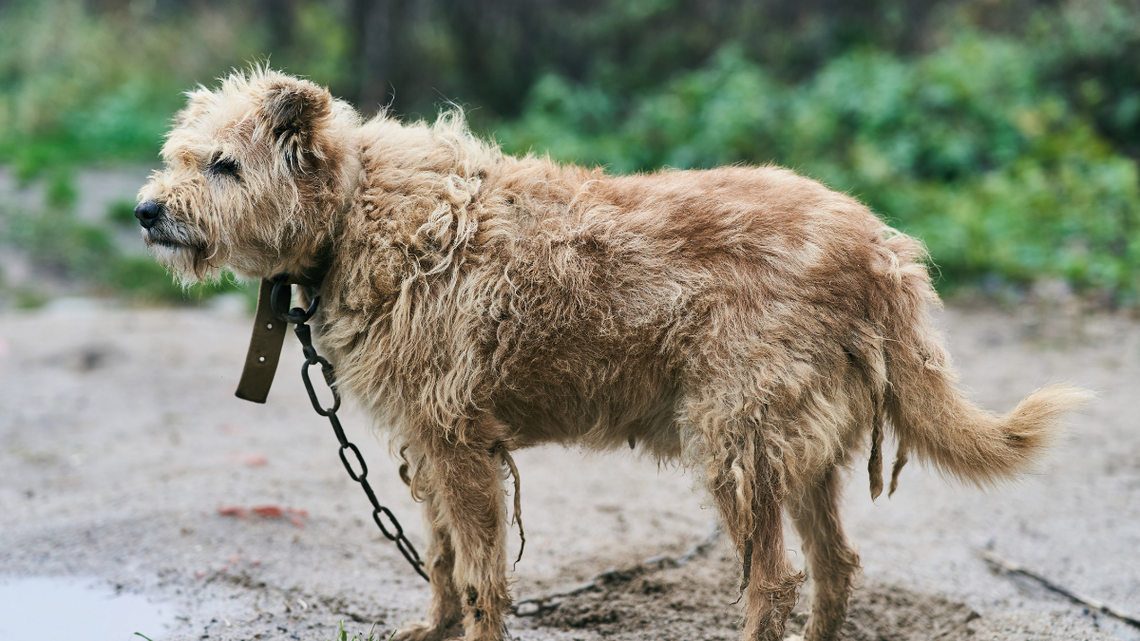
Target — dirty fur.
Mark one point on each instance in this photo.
(745, 321)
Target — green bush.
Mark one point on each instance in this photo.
(1004, 134)
(967, 147)
(78, 88)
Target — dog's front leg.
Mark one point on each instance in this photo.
(445, 610)
(467, 487)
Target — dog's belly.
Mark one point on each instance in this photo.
(609, 419)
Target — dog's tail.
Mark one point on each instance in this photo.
(930, 417)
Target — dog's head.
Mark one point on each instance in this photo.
(255, 175)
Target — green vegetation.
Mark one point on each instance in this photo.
(122, 213)
(343, 636)
(1005, 135)
(965, 147)
(67, 248)
(78, 87)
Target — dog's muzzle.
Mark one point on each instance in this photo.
(149, 213)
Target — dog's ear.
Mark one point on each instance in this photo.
(292, 113)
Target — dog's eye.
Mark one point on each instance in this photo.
(222, 166)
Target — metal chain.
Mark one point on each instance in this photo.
(393, 531)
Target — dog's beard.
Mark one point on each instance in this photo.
(182, 252)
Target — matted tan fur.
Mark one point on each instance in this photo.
(746, 321)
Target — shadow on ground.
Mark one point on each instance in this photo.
(696, 601)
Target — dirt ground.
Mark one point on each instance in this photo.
(121, 445)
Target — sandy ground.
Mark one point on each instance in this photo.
(120, 440)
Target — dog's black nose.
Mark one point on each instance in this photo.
(148, 213)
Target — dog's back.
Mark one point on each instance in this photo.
(646, 288)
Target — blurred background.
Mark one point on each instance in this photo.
(1005, 133)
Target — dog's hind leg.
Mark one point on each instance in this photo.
(749, 499)
(773, 583)
(445, 611)
(832, 562)
(467, 482)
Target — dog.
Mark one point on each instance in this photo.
(746, 321)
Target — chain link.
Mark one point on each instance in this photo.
(393, 531)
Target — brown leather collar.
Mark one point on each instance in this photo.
(264, 348)
(269, 329)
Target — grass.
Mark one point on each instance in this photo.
(343, 636)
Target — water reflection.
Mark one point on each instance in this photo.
(70, 608)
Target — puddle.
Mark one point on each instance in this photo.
(68, 608)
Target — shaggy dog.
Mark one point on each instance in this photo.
(746, 321)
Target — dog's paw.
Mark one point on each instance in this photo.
(421, 631)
